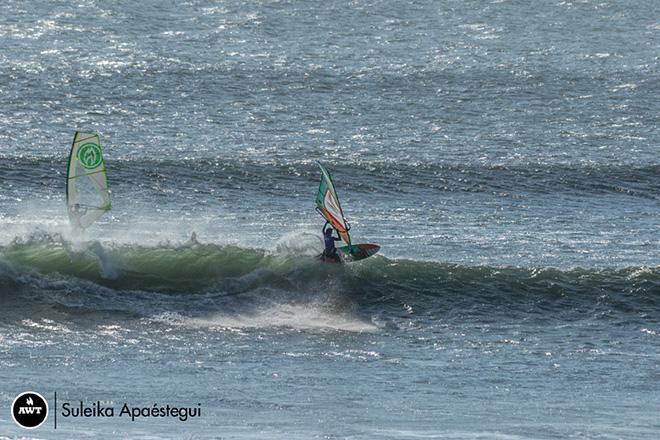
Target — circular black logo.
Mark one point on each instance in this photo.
(29, 410)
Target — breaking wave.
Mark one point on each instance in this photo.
(208, 285)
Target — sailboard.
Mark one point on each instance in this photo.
(327, 204)
(87, 192)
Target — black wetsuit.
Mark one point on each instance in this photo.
(330, 249)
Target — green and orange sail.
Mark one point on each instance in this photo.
(327, 203)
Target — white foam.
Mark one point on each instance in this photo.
(295, 316)
(299, 243)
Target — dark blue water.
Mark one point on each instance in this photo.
(504, 155)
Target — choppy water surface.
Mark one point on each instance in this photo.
(504, 155)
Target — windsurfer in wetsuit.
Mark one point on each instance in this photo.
(330, 249)
(77, 212)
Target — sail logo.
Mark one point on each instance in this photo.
(29, 410)
(90, 156)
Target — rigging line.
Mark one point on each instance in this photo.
(83, 140)
(88, 174)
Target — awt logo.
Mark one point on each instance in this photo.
(29, 410)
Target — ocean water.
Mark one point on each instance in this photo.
(504, 154)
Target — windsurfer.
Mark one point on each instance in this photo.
(330, 249)
(76, 214)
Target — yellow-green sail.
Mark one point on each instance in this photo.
(87, 193)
